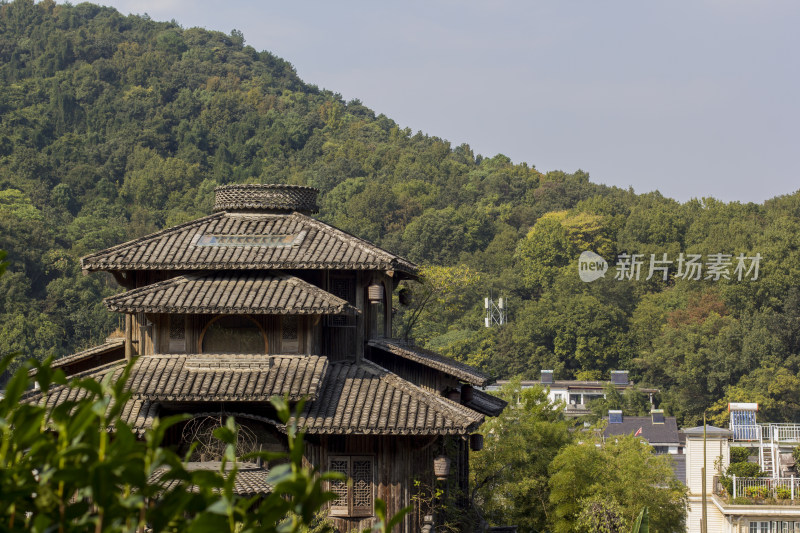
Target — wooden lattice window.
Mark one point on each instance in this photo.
(345, 289)
(177, 334)
(355, 496)
(290, 334)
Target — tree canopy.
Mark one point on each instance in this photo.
(115, 126)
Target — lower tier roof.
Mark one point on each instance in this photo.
(343, 397)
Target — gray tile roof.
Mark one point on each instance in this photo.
(209, 377)
(486, 403)
(346, 398)
(297, 242)
(251, 479)
(432, 360)
(663, 434)
(138, 413)
(225, 377)
(366, 399)
(230, 293)
(110, 351)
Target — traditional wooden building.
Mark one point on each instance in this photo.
(260, 299)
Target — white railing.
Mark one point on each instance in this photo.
(785, 432)
(772, 432)
(747, 432)
(765, 488)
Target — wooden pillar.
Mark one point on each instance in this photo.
(128, 337)
(361, 325)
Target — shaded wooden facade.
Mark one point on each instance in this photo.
(259, 299)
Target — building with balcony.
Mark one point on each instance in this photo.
(766, 504)
(577, 394)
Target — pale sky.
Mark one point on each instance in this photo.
(694, 98)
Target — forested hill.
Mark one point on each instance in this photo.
(115, 126)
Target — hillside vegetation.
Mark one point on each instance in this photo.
(116, 126)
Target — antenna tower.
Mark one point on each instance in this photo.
(496, 312)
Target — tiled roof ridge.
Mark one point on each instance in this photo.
(362, 244)
(223, 355)
(239, 377)
(431, 359)
(83, 354)
(428, 398)
(100, 370)
(122, 302)
(160, 233)
(183, 278)
(423, 395)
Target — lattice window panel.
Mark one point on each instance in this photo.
(290, 334)
(356, 495)
(361, 471)
(340, 487)
(177, 333)
(343, 288)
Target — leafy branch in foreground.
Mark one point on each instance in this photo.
(80, 467)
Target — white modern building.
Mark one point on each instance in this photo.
(768, 504)
(576, 394)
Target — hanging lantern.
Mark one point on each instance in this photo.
(441, 467)
(467, 393)
(404, 296)
(476, 442)
(375, 293)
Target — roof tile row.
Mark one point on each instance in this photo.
(230, 293)
(177, 248)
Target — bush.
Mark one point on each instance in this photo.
(783, 493)
(744, 470)
(756, 493)
(739, 455)
(64, 471)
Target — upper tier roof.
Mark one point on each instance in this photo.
(248, 240)
(231, 293)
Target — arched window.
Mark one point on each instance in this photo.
(233, 334)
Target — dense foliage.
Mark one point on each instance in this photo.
(63, 470)
(536, 473)
(115, 126)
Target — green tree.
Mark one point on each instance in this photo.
(510, 475)
(624, 474)
(438, 294)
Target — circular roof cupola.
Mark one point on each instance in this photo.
(266, 198)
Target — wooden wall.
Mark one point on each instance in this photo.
(336, 338)
(156, 338)
(398, 462)
(412, 371)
